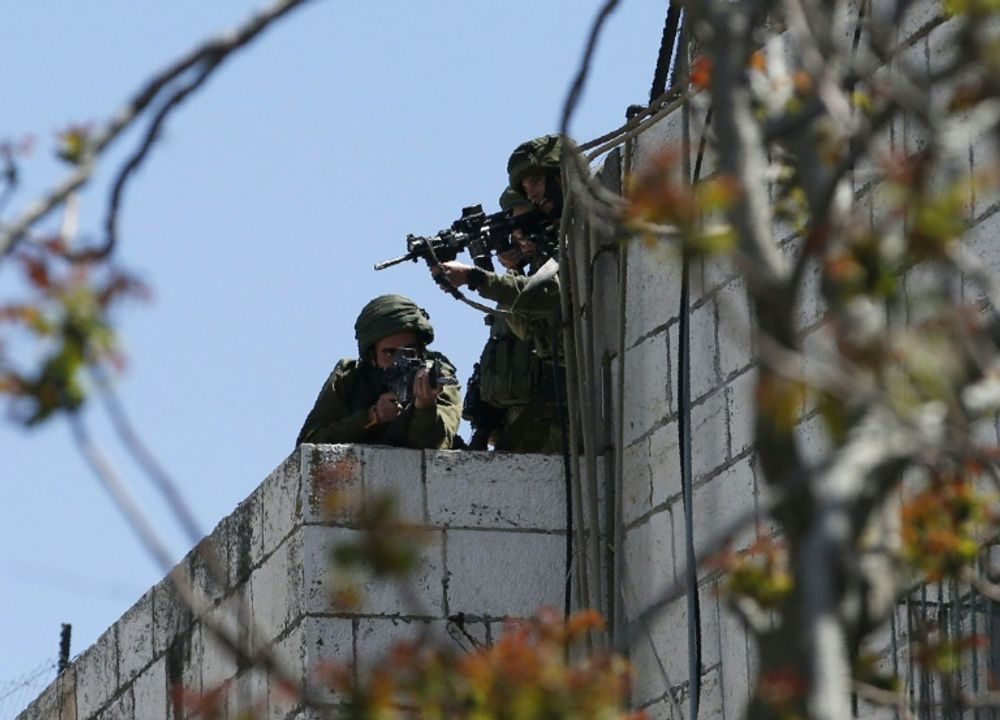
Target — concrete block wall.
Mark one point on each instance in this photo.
(496, 549)
(726, 479)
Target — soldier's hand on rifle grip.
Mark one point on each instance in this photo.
(457, 273)
(424, 393)
(385, 409)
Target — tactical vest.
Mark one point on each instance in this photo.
(510, 371)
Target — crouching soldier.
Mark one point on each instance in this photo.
(357, 404)
(534, 304)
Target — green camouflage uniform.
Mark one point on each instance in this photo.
(528, 371)
(340, 414)
(531, 426)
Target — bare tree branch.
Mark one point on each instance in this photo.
(573, 97)
(211, 54)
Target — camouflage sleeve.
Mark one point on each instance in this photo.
(330, 420)
(512, 292)
(435, 427)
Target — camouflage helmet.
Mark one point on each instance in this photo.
(542, 153)
(387, 315)
(510, 199)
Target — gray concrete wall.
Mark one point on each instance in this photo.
(726, 479)
(497, 550)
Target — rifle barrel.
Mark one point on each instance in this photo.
(395, 261)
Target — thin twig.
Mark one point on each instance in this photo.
(147, 461)
(572, 98)
(215, 50)
(144, 529)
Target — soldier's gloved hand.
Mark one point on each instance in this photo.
(424, 394)
(456, 272)
(385, 409)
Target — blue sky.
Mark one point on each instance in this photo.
(256, 221)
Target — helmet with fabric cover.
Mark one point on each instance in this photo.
(387, 315)
(539, 155)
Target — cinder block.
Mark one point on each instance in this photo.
(735, 651)
(984, 155)
(915, 135)
(327, 642)
(711, 642)
(637, 488)
(171, 616)
(735, 329)
(280, 501)
(982, 244)
(709, 436)
(97, 674)
(704, 351)
(399, 471)
(652, 289)
(649, 563)
(814, 440)
(121, 708)
(424, 593)
(710, 697)
(219, 664)
(647, 386)
(665, 464)
(245, 538)
(721, 502)
(66, 691)
(290, 657)
(276, 594)
(330, 469)
(925, 282)
(208, 566)
(149, 692)
(668, 632)
(247, 695)
(135, 638)
(504, 574)
(649, 682)
(667, 135)
(184, 679)
(717, 270)
(375, 638)
(490, 490)
(920, 14)
(742, 404)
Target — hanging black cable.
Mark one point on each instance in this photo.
(668, 44)
(567, 471)
(684, 395)
(684, 439)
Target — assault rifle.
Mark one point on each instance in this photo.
(478, 233)
(400, 375)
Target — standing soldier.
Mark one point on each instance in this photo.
(502, 400)
(355, 405)
(534, 174)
